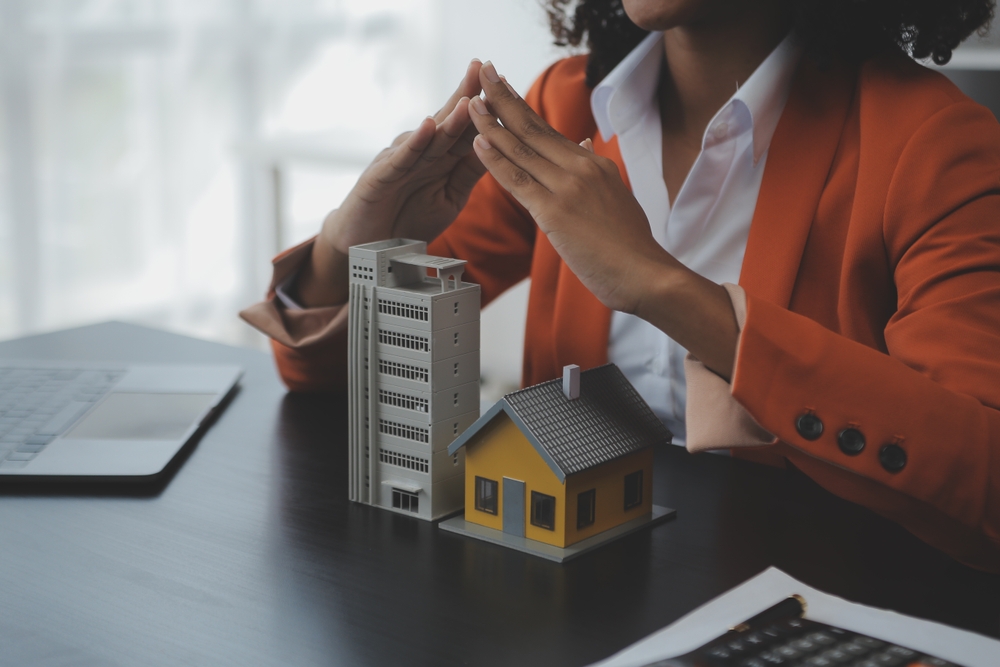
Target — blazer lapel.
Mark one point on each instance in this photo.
(798, 164)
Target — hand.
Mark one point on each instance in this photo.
(580, 202)
(577, 198)
(413, 189)
(416, 187)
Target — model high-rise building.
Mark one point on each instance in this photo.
(413, 346)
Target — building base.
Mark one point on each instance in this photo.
(459, 525)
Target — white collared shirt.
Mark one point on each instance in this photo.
(707, 227)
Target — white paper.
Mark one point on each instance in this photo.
(770, 587)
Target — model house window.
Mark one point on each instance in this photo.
(456, 307)
(633, 489)
(456, 368)
(486, 495)
(404, 500)
(456, 338)
(543, 511)
(585, 506)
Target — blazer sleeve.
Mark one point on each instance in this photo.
(929, 409)
(493, 233)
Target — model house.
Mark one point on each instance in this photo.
(413, 343)
(562, 463)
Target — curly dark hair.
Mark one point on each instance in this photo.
(851, 30)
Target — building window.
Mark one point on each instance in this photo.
(406, 501)
(402, 460)
(404, 340)
(585, 508)
(486, 495)
(398, 430)
(399, 400)
(543, 511)
(400, 309)
(633, 489)
(405, 371)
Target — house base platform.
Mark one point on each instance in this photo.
(459, 525)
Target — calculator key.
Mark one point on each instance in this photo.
(719, 652)
(853, 648)
(819, 661)
(865, 663)
(901, 651)
(838, 655)
(795, 623)
(822, 638)
(804, 645)
(886, 659)
(736, 646)
(753, 662)
(787, 652)
(868, 642)
(772, 658)
(773, 631)
(754, 639)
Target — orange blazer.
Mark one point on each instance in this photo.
(872, 274)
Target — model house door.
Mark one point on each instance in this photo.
(513, 507)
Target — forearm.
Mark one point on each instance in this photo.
(695, 312)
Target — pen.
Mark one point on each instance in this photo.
(793, 605)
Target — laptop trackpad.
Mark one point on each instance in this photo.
(134, 416)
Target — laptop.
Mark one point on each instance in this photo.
(103, 421)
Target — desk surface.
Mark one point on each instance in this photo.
(250, 553)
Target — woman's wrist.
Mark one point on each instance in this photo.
(695, 312)
(323, 279)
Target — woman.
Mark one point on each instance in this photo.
(824, 242)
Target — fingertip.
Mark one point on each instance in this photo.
(481, 143)
(587, 144)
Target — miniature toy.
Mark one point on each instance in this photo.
(413, 346)
(558, 469)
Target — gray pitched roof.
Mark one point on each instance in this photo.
(607, 421)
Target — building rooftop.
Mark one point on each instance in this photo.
(609, 420)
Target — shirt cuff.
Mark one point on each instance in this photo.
(715, 420)
(286, 321)
(281, 292)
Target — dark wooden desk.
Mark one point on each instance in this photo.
(250, 554)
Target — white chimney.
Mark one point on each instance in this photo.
(571, 381)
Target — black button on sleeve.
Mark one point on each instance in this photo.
(851, 441)
(892, 457)
(809, 426)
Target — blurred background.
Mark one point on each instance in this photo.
(154, 154)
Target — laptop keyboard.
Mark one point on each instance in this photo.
(39, 404)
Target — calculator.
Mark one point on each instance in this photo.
(780, 637)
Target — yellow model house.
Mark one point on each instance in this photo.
(561, 464)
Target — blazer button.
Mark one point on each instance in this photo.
(809, 426)
(892, 457)
(851, 441)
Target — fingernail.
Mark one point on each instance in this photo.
(491, 72)
(480, 106)
(477, 60)
(482, 142)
